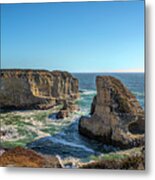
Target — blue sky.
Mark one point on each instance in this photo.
(76, 37)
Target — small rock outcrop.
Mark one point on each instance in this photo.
(116, 116)
(35, 89)
(68, 107)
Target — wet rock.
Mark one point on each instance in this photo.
(62, 114)
(68, 108)
(116, 116)
(35, 89)
(81, 91)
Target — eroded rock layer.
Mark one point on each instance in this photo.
(35, 89)
(116, 116)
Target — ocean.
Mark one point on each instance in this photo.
(133, 81)
(68, 142)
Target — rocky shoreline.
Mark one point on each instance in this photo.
(116, 118)
(132, 159)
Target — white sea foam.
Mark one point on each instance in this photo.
(88, 92)
(64, 142)
(138, 93)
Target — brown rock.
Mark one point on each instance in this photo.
(20, 157)
(133, 159)
(117, 118)
(68, 107)
(62, 114)
(35, 89)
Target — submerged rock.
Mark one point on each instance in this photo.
(21, 157)
(116, 116)
(35, 89)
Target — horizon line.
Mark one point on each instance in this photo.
(117, 71)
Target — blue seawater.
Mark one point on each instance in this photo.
(87, 84)
(68, 142)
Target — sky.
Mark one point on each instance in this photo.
(75, 37)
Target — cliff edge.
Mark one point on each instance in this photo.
(35, 89)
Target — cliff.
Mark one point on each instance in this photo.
(35, 89)
(116, 116)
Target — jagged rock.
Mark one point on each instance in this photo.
(68, 107)
(21, 157)
(35, 89)
(133, 159)
(116, 116)
(62, 114)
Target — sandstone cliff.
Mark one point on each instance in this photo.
(35, 89)
(116, 116)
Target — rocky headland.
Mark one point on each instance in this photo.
(35, 89)
(39, 94)
(116, 116)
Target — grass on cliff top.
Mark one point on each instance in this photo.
(118, 155)
(109, 156)
(132, 159)
(128, 162)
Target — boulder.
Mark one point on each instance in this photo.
(68, 108)
(62, 114)
(116, 116)
(35, 89)
(21, 157)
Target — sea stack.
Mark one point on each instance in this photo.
(35, 89)
(116, 116)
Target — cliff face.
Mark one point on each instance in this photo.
(40, 89)
(116, 116)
